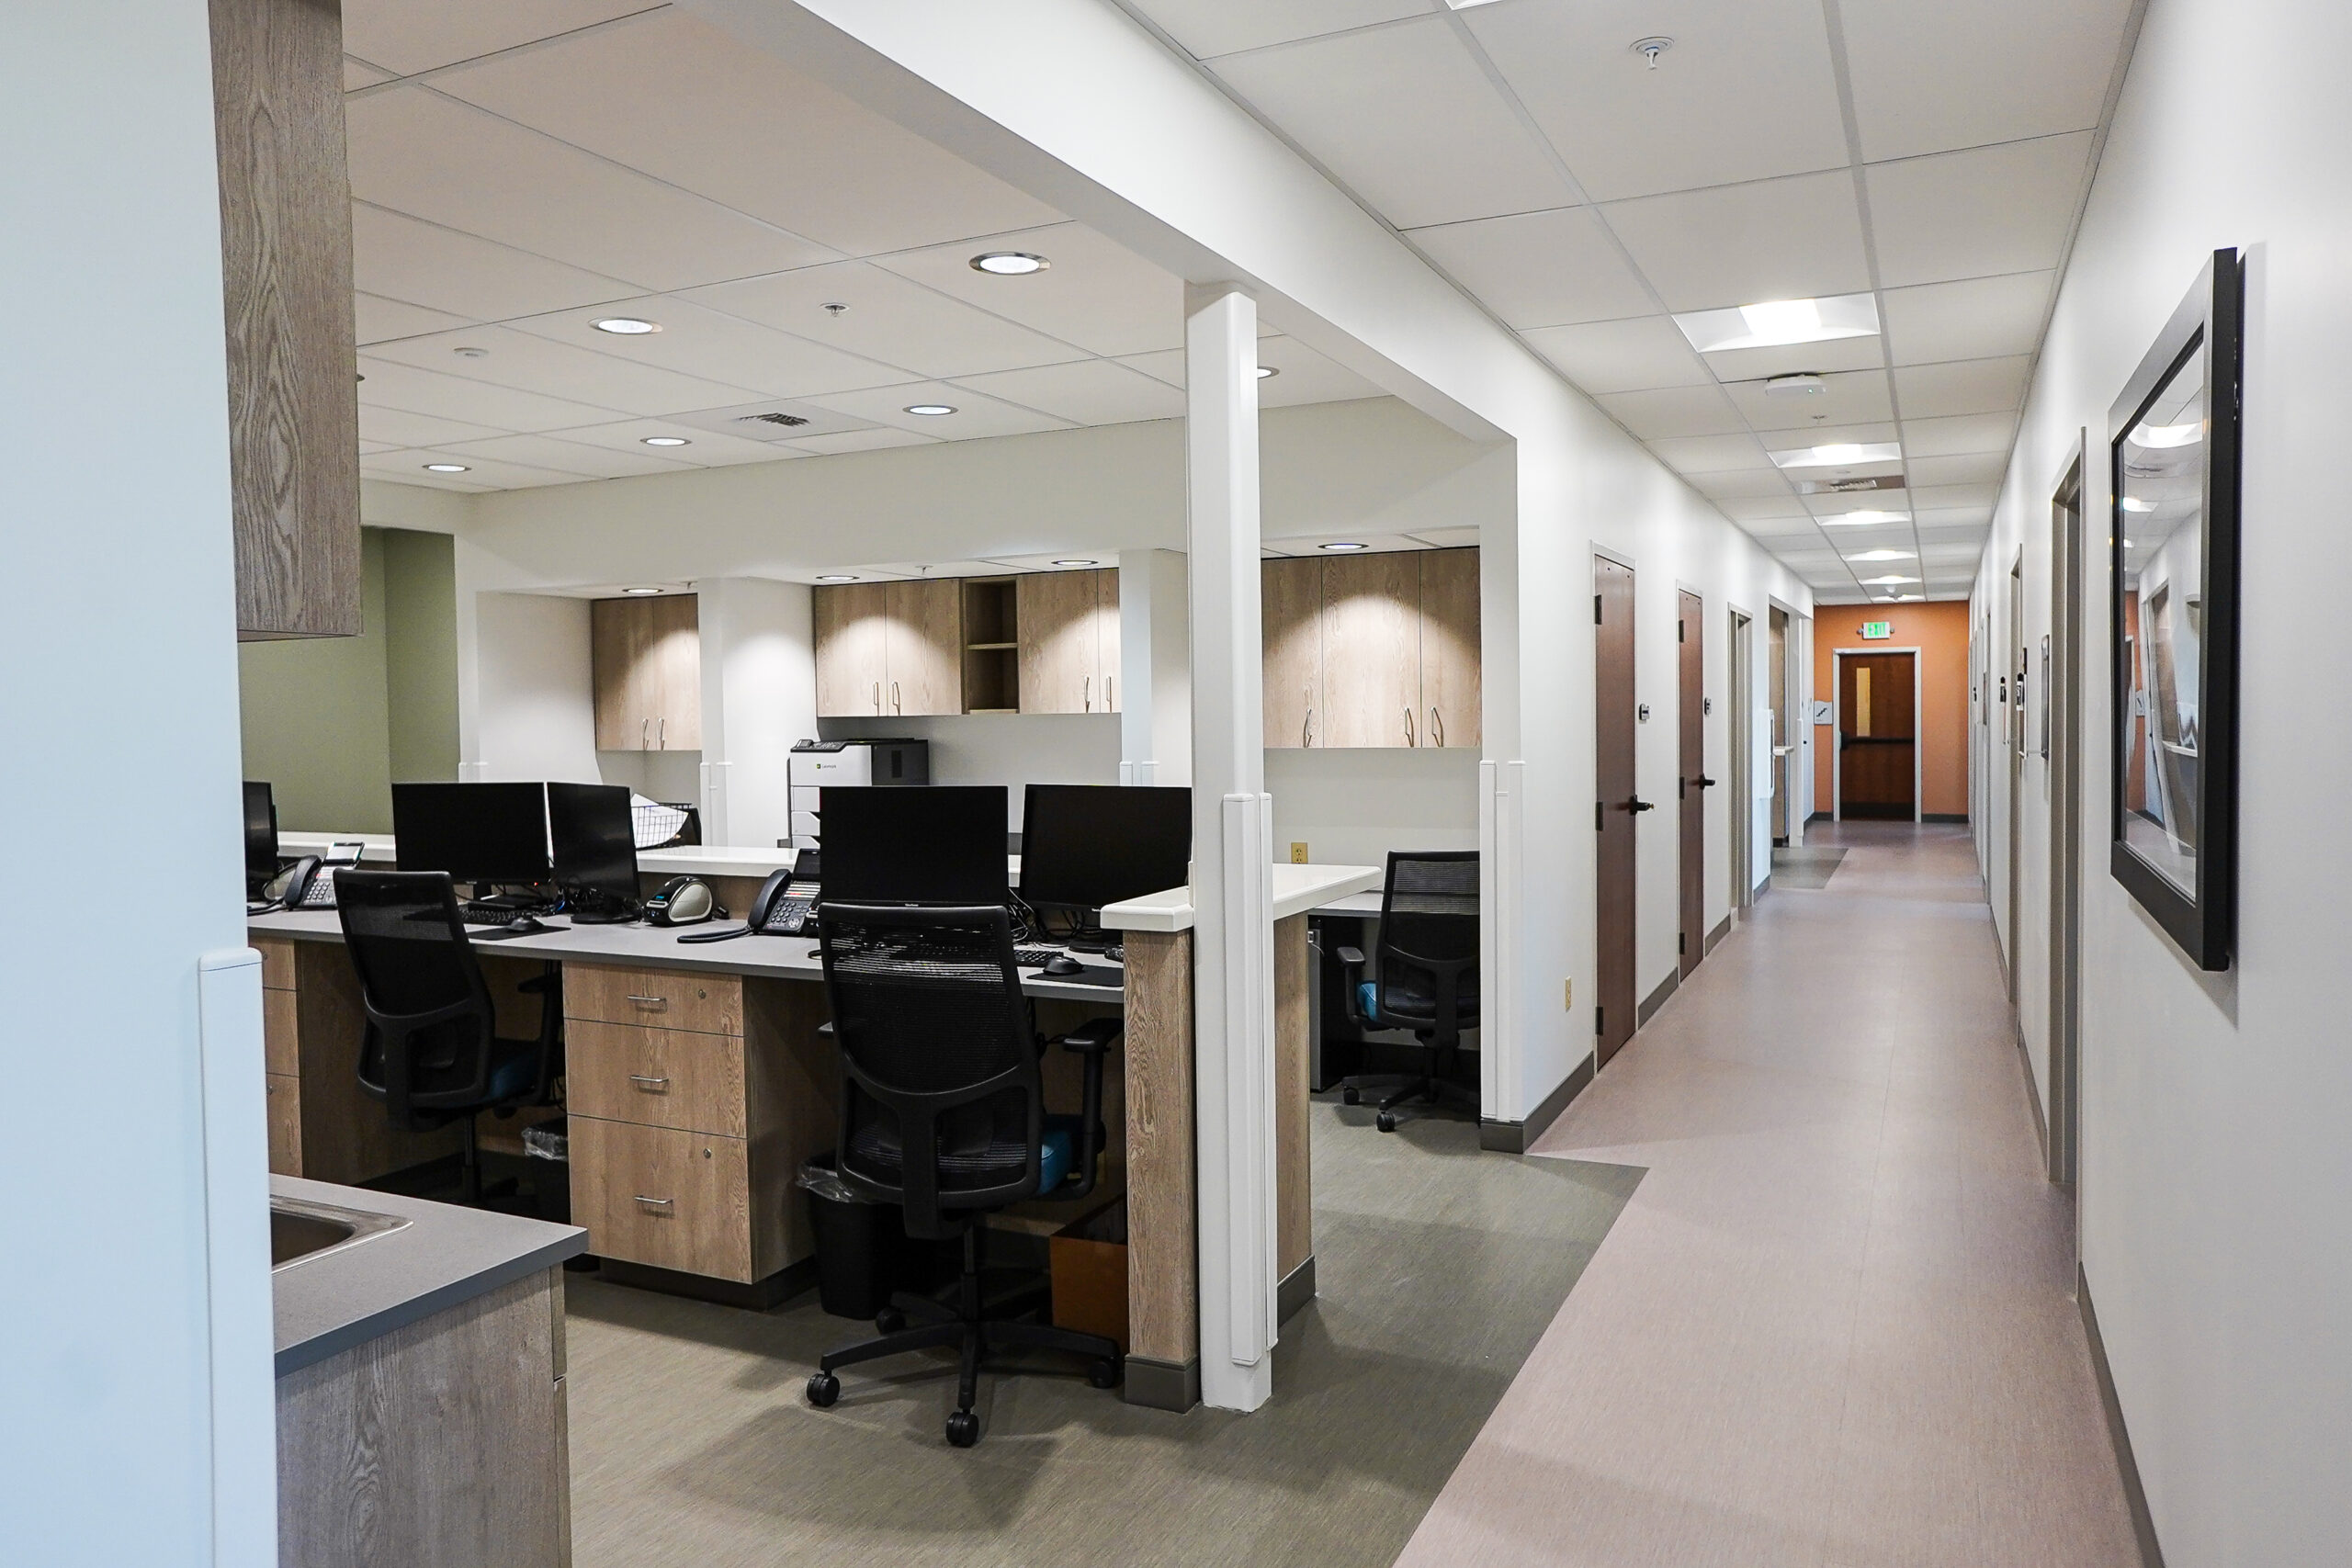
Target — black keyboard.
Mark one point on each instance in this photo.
(1034, 957)
(492, 914)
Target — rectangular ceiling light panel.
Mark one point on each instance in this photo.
(1778, 322)
(1839, 455)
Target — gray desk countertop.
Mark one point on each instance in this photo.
(331, 1300)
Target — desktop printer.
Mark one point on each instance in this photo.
(816, 763)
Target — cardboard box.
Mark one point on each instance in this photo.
(1088, 1259)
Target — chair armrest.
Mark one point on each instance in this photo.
(1090, 1040)
(1352, 960)
(1351, 956)
(1094, 1036)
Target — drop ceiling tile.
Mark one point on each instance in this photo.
(1746, 94)
(1850, 398)
(705, 448)
(400, 429)
(1206, 29)
(1405, 117)
(1674, 410)
(1305, 375)
(1977, 213)
(891, 320)
(1930, 78)
(1621, 356)
(1095, 294)
(1815, 358)
(695, 340)
(1168, 365)
(1929, 500)
(409, 36)
(1540, 269)
(1740, 486)
(416, 152)
(1955, 524)
(360, 74)
(570, 456)
(1975, 468)
(1710, 453)
(1983, 318)
(1087, 391)
(368, 449)
(1447, 538)
(577, 372)
(976, 414)
(405, 258)
(1954, 558)
(381, 320)
(405, 466)
(1961, 433)
(872, 440)
(669, 94)
(1963, 386)
(392, 385)
(1769, 515)
(481, 473)
(1787, 238)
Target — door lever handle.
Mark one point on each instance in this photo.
(1638, 803)
(1704, 781)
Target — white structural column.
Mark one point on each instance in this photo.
(1154, 677)
(1233, 1007)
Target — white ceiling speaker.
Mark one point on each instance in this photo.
(1649, 49)
(1802, 385)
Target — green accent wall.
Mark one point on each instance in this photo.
(331, 722)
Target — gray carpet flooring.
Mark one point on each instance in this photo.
(1439, 1267)
(1810, 867)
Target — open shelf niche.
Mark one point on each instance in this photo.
(992, 645)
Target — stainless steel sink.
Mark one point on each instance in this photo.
(299, 1229)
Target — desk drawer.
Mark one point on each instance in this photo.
(659, 1196)
(661, 1078)
(281, 1030)
(665, 998)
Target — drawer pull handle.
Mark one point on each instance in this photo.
(654, 1202)
(651, 1085)
(655, 1002)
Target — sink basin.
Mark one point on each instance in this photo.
(299, 1230)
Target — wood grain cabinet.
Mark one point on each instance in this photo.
(889, 649)
(1068, 636)
(285, 284)
(321, 1124)
(646, 656)
(1378, 650)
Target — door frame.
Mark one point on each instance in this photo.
(2013, 738)
(1743, 742)
(2063, 778)
(1836, 724)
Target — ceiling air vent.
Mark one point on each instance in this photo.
(789, 421)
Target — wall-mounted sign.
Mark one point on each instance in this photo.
(1873, 630)
(1822, 714)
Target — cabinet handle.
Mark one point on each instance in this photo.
(1437, 727)
(895, 705)
(1109, 702)
(651, 1085)
(1409, 727)
(1306, 729)
(877, 696)
(662, 734)
(1090, 693)
(659, 1004)
(642, 726)
(655, 1202)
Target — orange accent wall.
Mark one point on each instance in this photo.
(1939, 631)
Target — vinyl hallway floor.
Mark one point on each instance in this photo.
(1834, 1324)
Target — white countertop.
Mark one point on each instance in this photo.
(689, 860)
(1297, 889)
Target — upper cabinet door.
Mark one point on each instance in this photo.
(1450, 659)
(1059, 650)
(852, 679)
(1372, 649)
(1106, 639)
(924, 646)
(613, 645)
(670, 672)
(1290, 604)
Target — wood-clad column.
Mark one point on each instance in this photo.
(1232, 855)
(1293, 1163)
(1163, 1321)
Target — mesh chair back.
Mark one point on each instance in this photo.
(430, 1020)
(942, 1107)
(1429, 936)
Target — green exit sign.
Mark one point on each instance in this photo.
(1872, 630)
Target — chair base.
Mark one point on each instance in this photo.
(1404, 1088)
(977, 1331)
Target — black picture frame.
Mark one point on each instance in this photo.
(2203, 922)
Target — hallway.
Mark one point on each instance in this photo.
(1834, 1324)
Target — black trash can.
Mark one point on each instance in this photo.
(862, 1252)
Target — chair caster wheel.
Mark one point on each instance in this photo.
(1385, 1121)
(963, 1428)
(889, 1320)
(1104, 1374)
(823, 1389)
(1351, 1095)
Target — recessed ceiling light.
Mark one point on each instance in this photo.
(1807, 384)
(1887, 581)
(1776, 323)
(835, 577)
(627, 326)
(2134, 503)
(640, 591)
(1266, 372)
(1881, 555)
(667, 441)
(1074, 561)
(931, 410)
(447, 469)
(1839, 455)
(470, 352)
(1009, 264)
(1343, 545)
(2161, 436)
(1862, 519)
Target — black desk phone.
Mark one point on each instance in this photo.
(309, 883)
(787, 903)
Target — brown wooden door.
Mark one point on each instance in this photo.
(1617, 808)
(1877, 735)
(1692, 782)
(1289, 602)
(1450, 668)
(1372, 650)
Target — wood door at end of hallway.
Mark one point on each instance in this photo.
(1691, 782)
(1877, 736)
(1615, 816)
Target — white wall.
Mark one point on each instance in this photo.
(135, 1421)
(2216, 1178)
(1352, 807)
(1003, 749)
(758, 695)
(530, 713)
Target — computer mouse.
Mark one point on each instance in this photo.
(528, 925)
(1063, 964)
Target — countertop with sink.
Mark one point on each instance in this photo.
(349, 1265)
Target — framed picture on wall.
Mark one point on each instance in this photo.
(2173, 443)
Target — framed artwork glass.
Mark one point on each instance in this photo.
(2173, 442)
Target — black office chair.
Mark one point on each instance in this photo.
(1428, 976)
(432, 1052)
(944, 1113)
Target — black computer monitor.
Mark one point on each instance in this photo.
(1083, 846)
(261, 833)
(593, 840)
(935, 844)
(475, 832)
